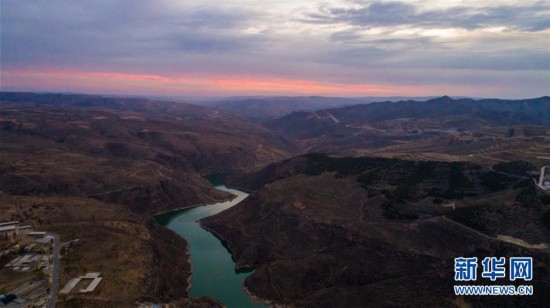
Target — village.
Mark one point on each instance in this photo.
(29, 267)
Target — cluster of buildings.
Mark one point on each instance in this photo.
(32, 252)
(32, 262)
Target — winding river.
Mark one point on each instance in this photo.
(213, 269)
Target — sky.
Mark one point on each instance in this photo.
(284, 47)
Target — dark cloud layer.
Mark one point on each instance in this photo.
(61, 33)
(385, 14)
(342, 43)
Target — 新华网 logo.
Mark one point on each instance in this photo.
(493, 268)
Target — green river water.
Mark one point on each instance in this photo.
(213, 268)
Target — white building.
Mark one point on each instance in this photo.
(10, 228)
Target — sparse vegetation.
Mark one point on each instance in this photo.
(364, 226)
(406, 188)
(495, 181)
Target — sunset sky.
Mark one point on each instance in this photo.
(283, 47)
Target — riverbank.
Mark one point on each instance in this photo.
(210, 259)
(176, 210)
(258, 299)
(238, 267)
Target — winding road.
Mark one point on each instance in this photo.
(505, 239)
(55, 272)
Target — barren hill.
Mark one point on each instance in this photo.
(484, 131)
(326, 231)
(95, 169)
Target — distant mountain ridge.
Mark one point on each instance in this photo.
(491, 110)
(97, 101)
(488, 111)
(266, 108)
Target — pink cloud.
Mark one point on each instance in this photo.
(150, 84)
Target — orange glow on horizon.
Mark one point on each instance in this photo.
(149, 84)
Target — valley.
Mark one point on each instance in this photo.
(209, 259)
(284, 154)
(97, 169)
(346, 204)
